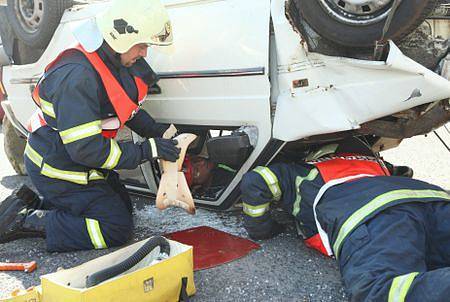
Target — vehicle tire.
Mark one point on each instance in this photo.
(35, 21)
(350, 24)
(24, 54)
(6, 33)
(14, 147)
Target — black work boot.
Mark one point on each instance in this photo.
(29, 197)
(34, 224)
(20, 198)
(23, 224)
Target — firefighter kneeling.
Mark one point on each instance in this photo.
(390, 234)
(85, 95)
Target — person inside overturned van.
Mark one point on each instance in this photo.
(205, 177)
(212, 162)
(85, 96)
(389, 232)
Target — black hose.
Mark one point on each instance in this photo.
(131, 261)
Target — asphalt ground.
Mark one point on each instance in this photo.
(282, 270)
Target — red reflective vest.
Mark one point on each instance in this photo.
(124, 107)
(336, 170)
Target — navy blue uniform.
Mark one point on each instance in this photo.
(388, 233)
(71, 163)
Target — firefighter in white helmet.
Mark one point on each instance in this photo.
(85, 95)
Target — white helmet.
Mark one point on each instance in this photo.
(124, 24)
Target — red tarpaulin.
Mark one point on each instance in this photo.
(213, 247)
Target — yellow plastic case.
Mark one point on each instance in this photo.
(149, 280)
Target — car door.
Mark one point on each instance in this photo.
(215, 75)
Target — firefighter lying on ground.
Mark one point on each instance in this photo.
(85, 96)
(390, 234)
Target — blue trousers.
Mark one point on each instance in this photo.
(401, 240)
(70, 206)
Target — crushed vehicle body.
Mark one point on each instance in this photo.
(254, 91)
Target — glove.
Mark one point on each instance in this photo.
(262, 227)
(404, 171)
(162, 148)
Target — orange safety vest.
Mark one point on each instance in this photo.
(124, 107)
(337, 169)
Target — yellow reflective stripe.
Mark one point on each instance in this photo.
(33, 155)
(93, 228)
(271, 180)
(153, 147)
(47, 108)
(95, 175)
(81, 131)
(72, 176)
(298, 182)
(377, 203)
(49, 171)
(113, 157)
(400, 286)
(255, 211)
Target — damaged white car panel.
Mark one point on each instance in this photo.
(216, 77)
(319, 94)
(227, 70)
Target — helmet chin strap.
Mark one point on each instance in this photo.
(113, 56)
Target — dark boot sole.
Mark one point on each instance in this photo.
(10, 202)
(12, 219)
(22, 197)
(21, 235)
